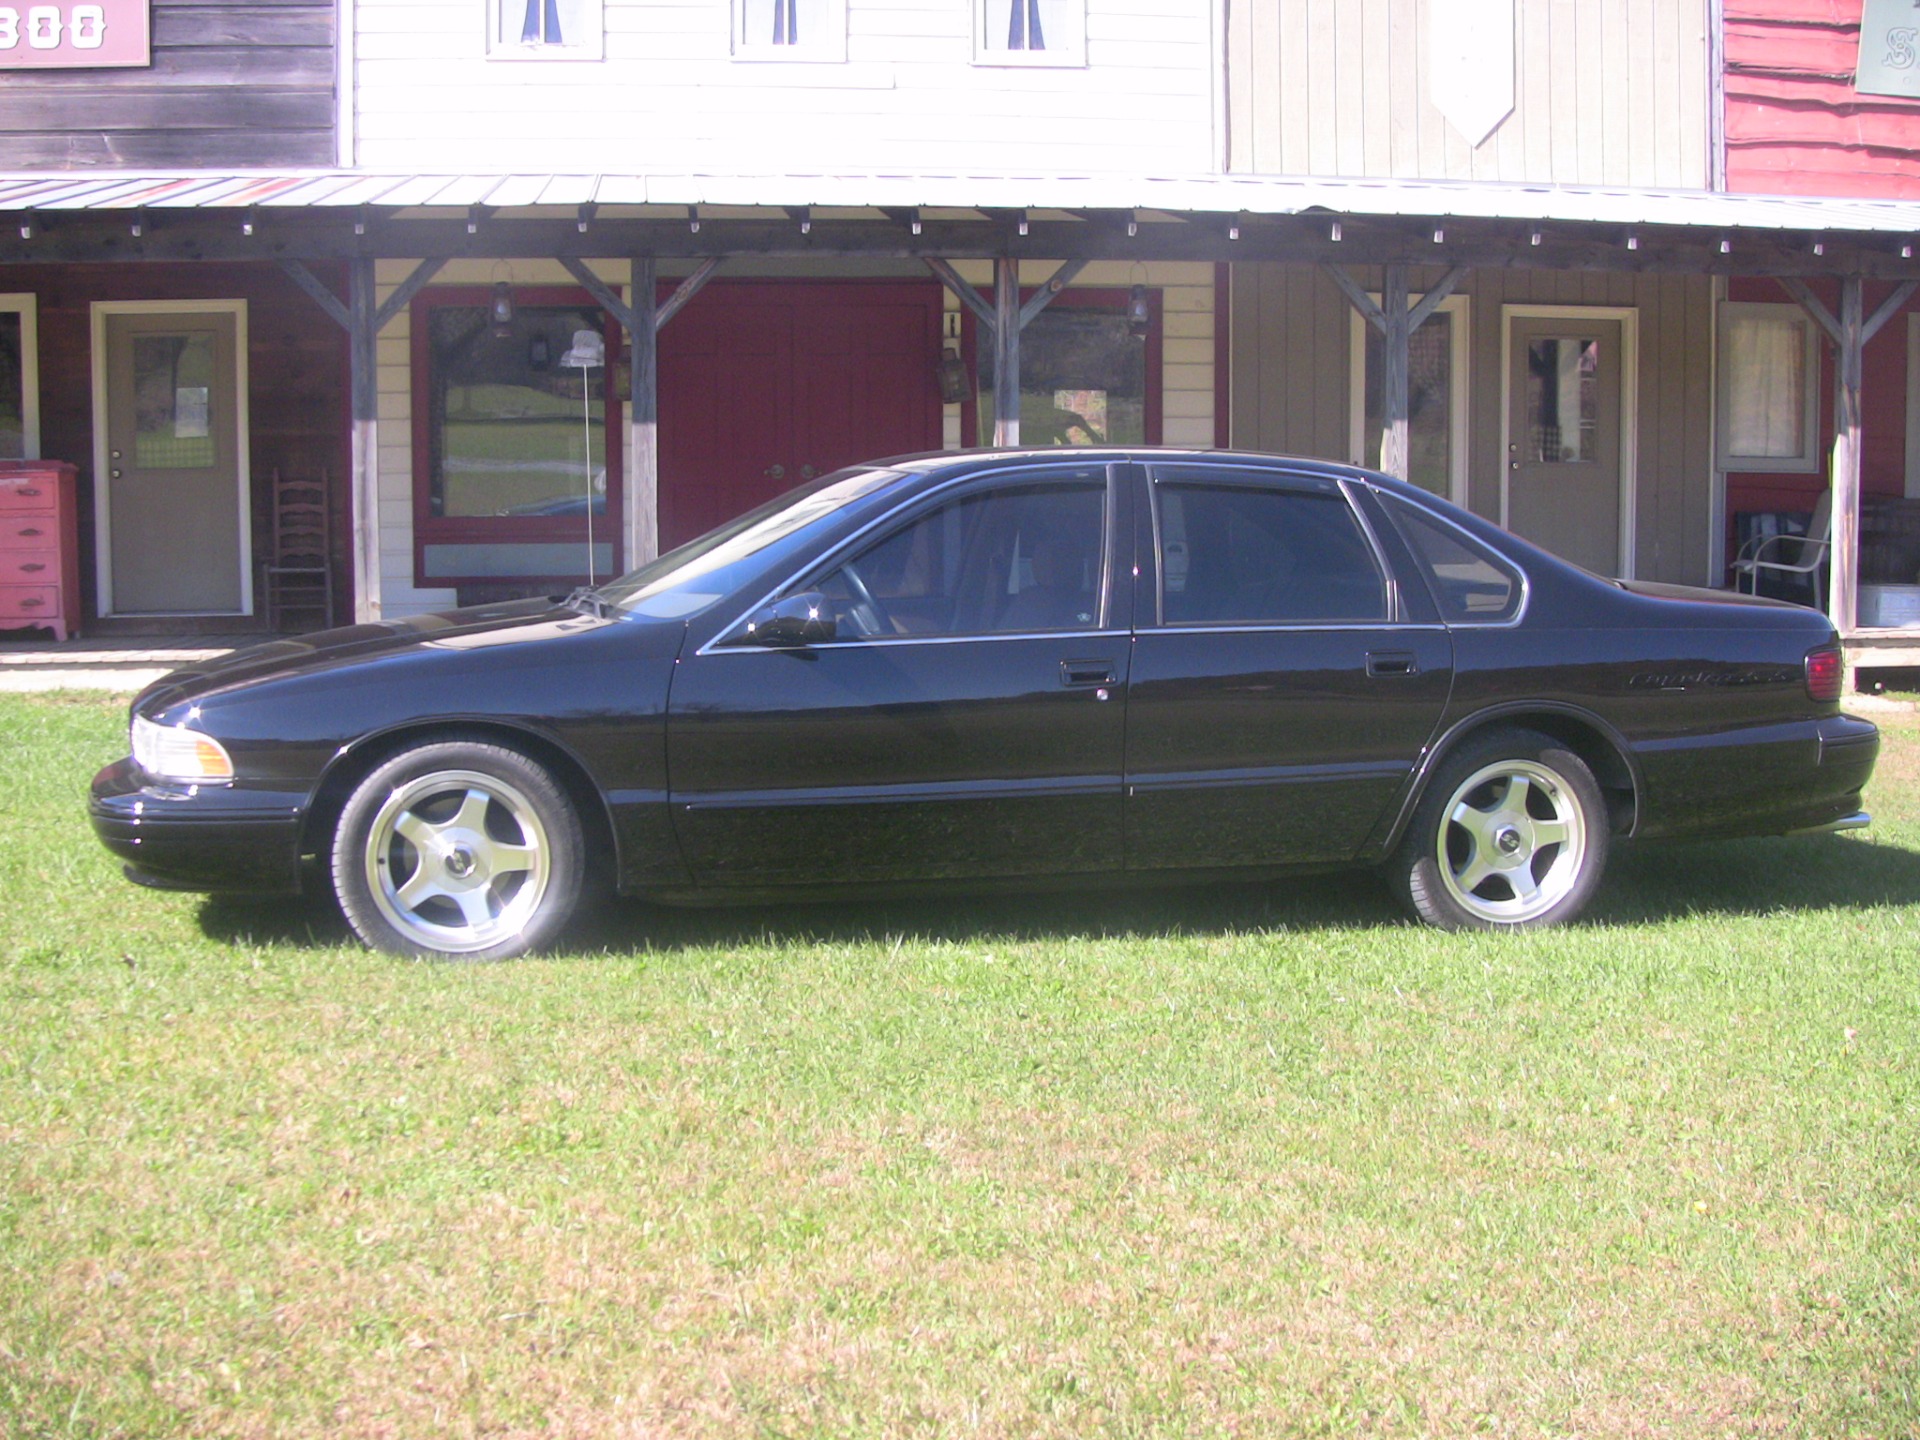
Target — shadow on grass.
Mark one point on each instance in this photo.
(1644, 884)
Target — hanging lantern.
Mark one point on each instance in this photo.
(502, 309)
(1139, 313)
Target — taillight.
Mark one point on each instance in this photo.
(1824, 672)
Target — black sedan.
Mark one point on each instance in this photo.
(1039, 668)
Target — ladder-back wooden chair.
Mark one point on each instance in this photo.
(299, 572)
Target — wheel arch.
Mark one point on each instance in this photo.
(359, 760)
(1596, 742)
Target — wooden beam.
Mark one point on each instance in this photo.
(602, 292)
(1888, 308)
(1810, 303)
(322, 296)
(1358, 298)
(1435, 296)
(404, 292)
(1006, 347)
(1055, 283)
(1395, 459)
(363, 382)
(962, 291)
(685, 291)
(1843, 553)
(641, 501)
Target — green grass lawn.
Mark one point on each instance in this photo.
(1254, 1161)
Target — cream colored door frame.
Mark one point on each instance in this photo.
(102, 460)
(1629, 318)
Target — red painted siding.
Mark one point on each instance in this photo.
(1795, 124)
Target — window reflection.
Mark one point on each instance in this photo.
(1563, 399)
(508, 436)
(1083, 380)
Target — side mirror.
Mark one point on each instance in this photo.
(803, 619)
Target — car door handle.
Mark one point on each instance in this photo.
(1390, 662)
(1086, 672)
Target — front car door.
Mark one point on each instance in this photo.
(1284, 684)
(966, 721)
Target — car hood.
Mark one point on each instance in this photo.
(522, 622)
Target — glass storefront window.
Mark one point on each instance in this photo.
(1083, 379)
(510, 434)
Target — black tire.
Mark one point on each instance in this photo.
(1511, 834)
(458, 850)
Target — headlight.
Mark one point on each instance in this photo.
(173, 752)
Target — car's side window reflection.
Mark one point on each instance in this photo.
(1242, 554)
(1469, 582)
(1019, 559)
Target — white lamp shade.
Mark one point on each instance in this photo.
(589, 350)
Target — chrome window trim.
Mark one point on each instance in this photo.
(1321, 484)
(1526, 580)
(727, 638)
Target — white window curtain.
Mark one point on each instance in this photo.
(1767, 367)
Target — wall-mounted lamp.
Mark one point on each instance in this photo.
(951, 371)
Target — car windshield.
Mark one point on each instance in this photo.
(687, 580)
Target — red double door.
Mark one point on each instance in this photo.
(765, 384)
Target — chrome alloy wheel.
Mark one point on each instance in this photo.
(457, 861)
(1512, 842)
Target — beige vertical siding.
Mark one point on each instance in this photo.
(1606, 92)
(1291, 357)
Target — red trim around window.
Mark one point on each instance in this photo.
(431, 529)
(1111, 298)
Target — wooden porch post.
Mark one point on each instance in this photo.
(642, 498)
(1843, 554)
(362, 339)
(1395, 457)
(1006, 359)
(1396, 324)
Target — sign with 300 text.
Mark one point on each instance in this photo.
(78, 34)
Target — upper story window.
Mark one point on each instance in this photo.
(1030, 32)
(545, 29)
(789, 29)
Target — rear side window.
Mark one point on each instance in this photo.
(1470, 583)
(1248, 554)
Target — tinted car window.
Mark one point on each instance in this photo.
(1252, 555)
(1013, 559)
(1469, 582)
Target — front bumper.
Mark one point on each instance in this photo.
(198, 837)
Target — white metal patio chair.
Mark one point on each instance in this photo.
(1800, 557)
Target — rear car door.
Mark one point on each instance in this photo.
(966, 721)
(1284, 683)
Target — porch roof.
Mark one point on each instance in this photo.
(1251, 195)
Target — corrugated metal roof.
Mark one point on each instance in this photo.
(1174, 194)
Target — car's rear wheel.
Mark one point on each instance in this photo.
(458, 849)
(1511, 834)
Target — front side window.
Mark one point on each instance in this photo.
(1012, 560)
(544, 29)
(516, 470)
(1248, 554)
(1030, 32)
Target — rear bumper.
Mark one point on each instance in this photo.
(1764, 780)
(208, 838)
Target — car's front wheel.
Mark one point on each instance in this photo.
(458, 849)
(1511, 834)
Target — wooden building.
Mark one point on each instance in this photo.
(1477, 242)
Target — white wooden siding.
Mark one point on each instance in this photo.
(1606, 92)
(669, 96)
